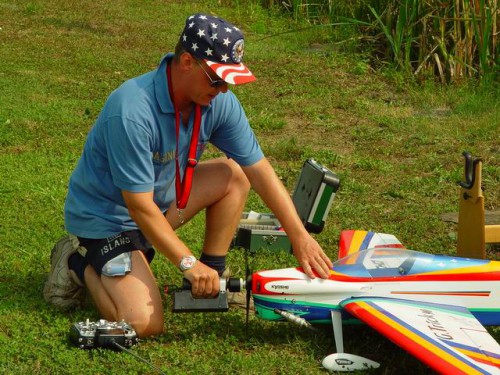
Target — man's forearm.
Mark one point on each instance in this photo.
(155, 226)
(307, 251)
(269, 187)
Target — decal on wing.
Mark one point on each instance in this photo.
(352, 241)
(447, 338)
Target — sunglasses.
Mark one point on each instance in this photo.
(213, 82)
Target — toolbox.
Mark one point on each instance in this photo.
(313, 196)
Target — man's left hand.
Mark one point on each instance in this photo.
(312, 258)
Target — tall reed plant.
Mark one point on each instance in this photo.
(451, 39)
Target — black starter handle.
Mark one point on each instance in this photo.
(470, 171)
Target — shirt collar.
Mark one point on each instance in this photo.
(161, 85)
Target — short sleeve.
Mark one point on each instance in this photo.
(233, 134)
(129, 146)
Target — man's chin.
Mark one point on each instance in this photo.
(205, 102)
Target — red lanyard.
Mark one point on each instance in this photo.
(183, 187)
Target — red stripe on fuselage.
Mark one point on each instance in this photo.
(483, 276)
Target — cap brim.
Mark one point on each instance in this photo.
(235, 74)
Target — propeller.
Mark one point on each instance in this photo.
(248, 287)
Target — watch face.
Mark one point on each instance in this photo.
(187, 262)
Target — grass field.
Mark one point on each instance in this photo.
(396, 147)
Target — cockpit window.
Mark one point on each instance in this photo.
(391, 262)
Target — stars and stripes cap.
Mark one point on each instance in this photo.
(220, 44)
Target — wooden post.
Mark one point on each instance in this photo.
(473, 233)
(471, 226)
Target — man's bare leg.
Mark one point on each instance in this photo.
(222, 188)
(134, 297)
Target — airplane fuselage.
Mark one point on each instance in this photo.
(420, 277)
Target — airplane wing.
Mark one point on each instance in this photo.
(352, 241)
(449, 339)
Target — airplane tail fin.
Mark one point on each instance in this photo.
(352, 241)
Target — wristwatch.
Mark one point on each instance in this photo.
(187, 262)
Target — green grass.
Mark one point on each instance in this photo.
(396, 147)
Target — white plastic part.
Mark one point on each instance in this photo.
(337, 330)
(347, 362)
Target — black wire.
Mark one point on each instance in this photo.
(138, 357)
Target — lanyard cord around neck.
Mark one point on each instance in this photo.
(183, 187)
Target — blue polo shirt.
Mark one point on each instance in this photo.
(132, 147)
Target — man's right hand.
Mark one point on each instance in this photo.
(204, 280)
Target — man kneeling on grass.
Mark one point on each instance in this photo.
(130, 189)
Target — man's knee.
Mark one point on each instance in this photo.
(238, 178)
(136, 297)
(146, 326)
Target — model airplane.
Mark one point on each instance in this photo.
(433, 306)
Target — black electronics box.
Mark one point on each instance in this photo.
(313, 196)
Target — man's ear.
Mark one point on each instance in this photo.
(187, 61)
